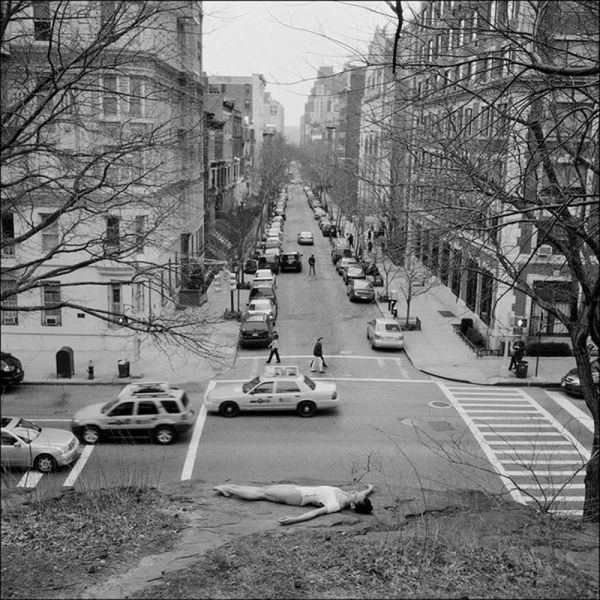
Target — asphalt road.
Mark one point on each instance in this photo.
(393, 424)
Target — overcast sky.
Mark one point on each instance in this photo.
(286, 42)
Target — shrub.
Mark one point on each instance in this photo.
(475, 337)
(548, 349)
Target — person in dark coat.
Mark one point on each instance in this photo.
(311, 264)
(318, 362)
(518, 352)
(350, 240)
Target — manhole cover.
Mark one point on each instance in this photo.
(446, 313)
(439, 404)
(440, 425)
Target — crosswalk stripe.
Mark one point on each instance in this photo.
(30, 479)
(582, 417)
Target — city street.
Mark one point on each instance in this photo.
(394, 422)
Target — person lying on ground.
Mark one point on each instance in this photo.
(327, 498)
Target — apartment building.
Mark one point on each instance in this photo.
(476, 193)
(102, 169)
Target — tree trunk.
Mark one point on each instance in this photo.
(408, 299)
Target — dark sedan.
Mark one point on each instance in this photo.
(11, 369)
(360, 290)
(256, 331)
(571, 381)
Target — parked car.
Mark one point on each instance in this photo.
(273, 242)
(273, 392)
(353, 272)
(291, 261)
(262, 306)
(262, 290)
(329, 230)
(11, 369)
(385, 333)
(27, 445)
(319, 212)
(571, 381)
(265, 275)
(344, 263)
(340, 250)
(256, 331)
(142, 409)
(306, 238)
(269, 261)
(360, 290)
(250, 266)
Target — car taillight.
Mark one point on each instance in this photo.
(334, 395)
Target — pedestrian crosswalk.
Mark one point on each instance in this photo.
(539, 460)
(344, 366)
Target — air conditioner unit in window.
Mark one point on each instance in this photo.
(51, 321)
(544, 250)
(9, 320)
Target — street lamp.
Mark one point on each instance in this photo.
(537, 358)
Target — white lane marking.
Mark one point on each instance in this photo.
(190, 459)
(581, 416)
(41, 419)
(30, 479)
(78, 467)
(401, 368)
(381, 363)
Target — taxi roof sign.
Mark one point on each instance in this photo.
(282, 371)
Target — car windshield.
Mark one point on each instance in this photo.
(27, 430)
(309, 382)
(260, 305)
(250, 384)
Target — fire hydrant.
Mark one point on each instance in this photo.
(91, 369)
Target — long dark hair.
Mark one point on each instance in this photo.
(364, 507)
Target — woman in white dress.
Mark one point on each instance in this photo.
(327, 498)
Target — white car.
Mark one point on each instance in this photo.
(273, 242)
(306, 238)
(275, 390)
(26, 444)
(265, 275)
(385, 333)
(263, 306)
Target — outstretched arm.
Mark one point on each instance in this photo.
(367, 492)
(311, 514)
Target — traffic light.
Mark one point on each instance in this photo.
(232, 281)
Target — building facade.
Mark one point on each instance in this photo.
(102, 215)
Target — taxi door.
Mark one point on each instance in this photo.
(261, 397)
(120, 419)
(288, 393)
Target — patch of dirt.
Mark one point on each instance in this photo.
(188, 542)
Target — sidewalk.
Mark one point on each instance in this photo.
(437, 350)
(168, 362)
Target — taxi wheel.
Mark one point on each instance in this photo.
(90, 434)
(306, 408)
(229, 409)
(164, 435)
(45, 463)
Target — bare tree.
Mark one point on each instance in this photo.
(498, 126)
(101, 156)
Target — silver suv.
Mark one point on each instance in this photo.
(141, 409)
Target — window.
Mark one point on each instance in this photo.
(170, 406)
(42, 25)
(468, 121)
(108, 9)
(115, 305)
(113, 240)
(147, 407)
(9, 317)
(122, 410)
(49, 233)
(264, 388)
(287, 387)
(140, 230)
(52, 313)
(136, 97)
(110, 104)
(8, 234)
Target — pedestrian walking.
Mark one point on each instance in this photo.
(318, 361)
(327, 498)
(518, 350)
(311, 265)
(350, 240)
(370, 234)
(274, 346)
(370, 245)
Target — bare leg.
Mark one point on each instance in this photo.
(283, 494)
